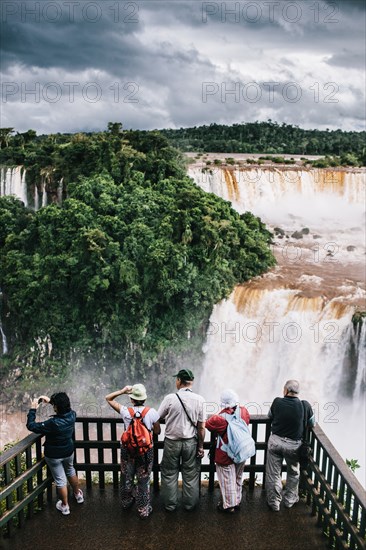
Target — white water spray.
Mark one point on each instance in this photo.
(295, 322)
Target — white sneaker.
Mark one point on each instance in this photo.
(290, 505)
(63, 508)
(79, 497)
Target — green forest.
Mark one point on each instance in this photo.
(271, 138)
(125, 272)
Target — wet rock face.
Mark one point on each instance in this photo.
(297, 235)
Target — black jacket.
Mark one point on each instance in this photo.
(58, 430)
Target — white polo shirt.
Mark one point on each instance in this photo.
(177, 424)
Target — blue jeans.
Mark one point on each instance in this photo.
(61, 469)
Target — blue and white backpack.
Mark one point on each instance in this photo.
(240, 445)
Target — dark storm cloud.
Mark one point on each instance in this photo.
(354, 60)
(168, 50)
(73, 40)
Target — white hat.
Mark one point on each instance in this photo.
(138, 392)
(229, 398)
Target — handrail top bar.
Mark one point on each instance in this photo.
(23, 444)
(254, 418)
(338, 461)
(19, 447)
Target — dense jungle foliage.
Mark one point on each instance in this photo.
(270, 137)
(130, 264)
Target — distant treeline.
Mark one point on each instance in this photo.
(271, 138)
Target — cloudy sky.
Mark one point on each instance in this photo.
(74, 65)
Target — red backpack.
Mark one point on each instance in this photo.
(137, 439)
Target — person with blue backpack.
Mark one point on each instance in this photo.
(234, 445)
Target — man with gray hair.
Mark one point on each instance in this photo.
(289, 417)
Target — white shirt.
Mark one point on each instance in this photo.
(149, 419)
(177, 424)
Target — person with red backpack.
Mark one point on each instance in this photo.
(136, 447)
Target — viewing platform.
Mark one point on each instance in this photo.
(330, 514)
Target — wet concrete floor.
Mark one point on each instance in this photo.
(100, 523)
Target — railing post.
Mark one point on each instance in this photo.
(100, 453)
(113, 426)
(252, 474)
(212, 468)
(40, 472)
(156, 463)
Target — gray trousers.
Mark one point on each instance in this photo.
(279, 449)
(180, 452)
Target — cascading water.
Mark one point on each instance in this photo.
(4, 341)
(248, 189)
(296, 321)
(258, 337)
(13, 183)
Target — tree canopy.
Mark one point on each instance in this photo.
(133, 260)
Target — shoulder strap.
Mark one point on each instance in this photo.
(305, 421)
(185, 410)
(228, 417)
(132, 412)
(144, 412)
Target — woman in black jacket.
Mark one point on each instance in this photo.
(58, 446)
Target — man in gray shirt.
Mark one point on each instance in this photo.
(183, 444)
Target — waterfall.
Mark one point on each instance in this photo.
(249, 188)
(60, 189)
(354, 376)
(4, 341)
(44, 195)
(258, 338)
(2, 333)
(36, 198)
(296, 321)
(13, 183)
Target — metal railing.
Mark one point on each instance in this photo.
(97, 446)
(334, 494)
(24, 480)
